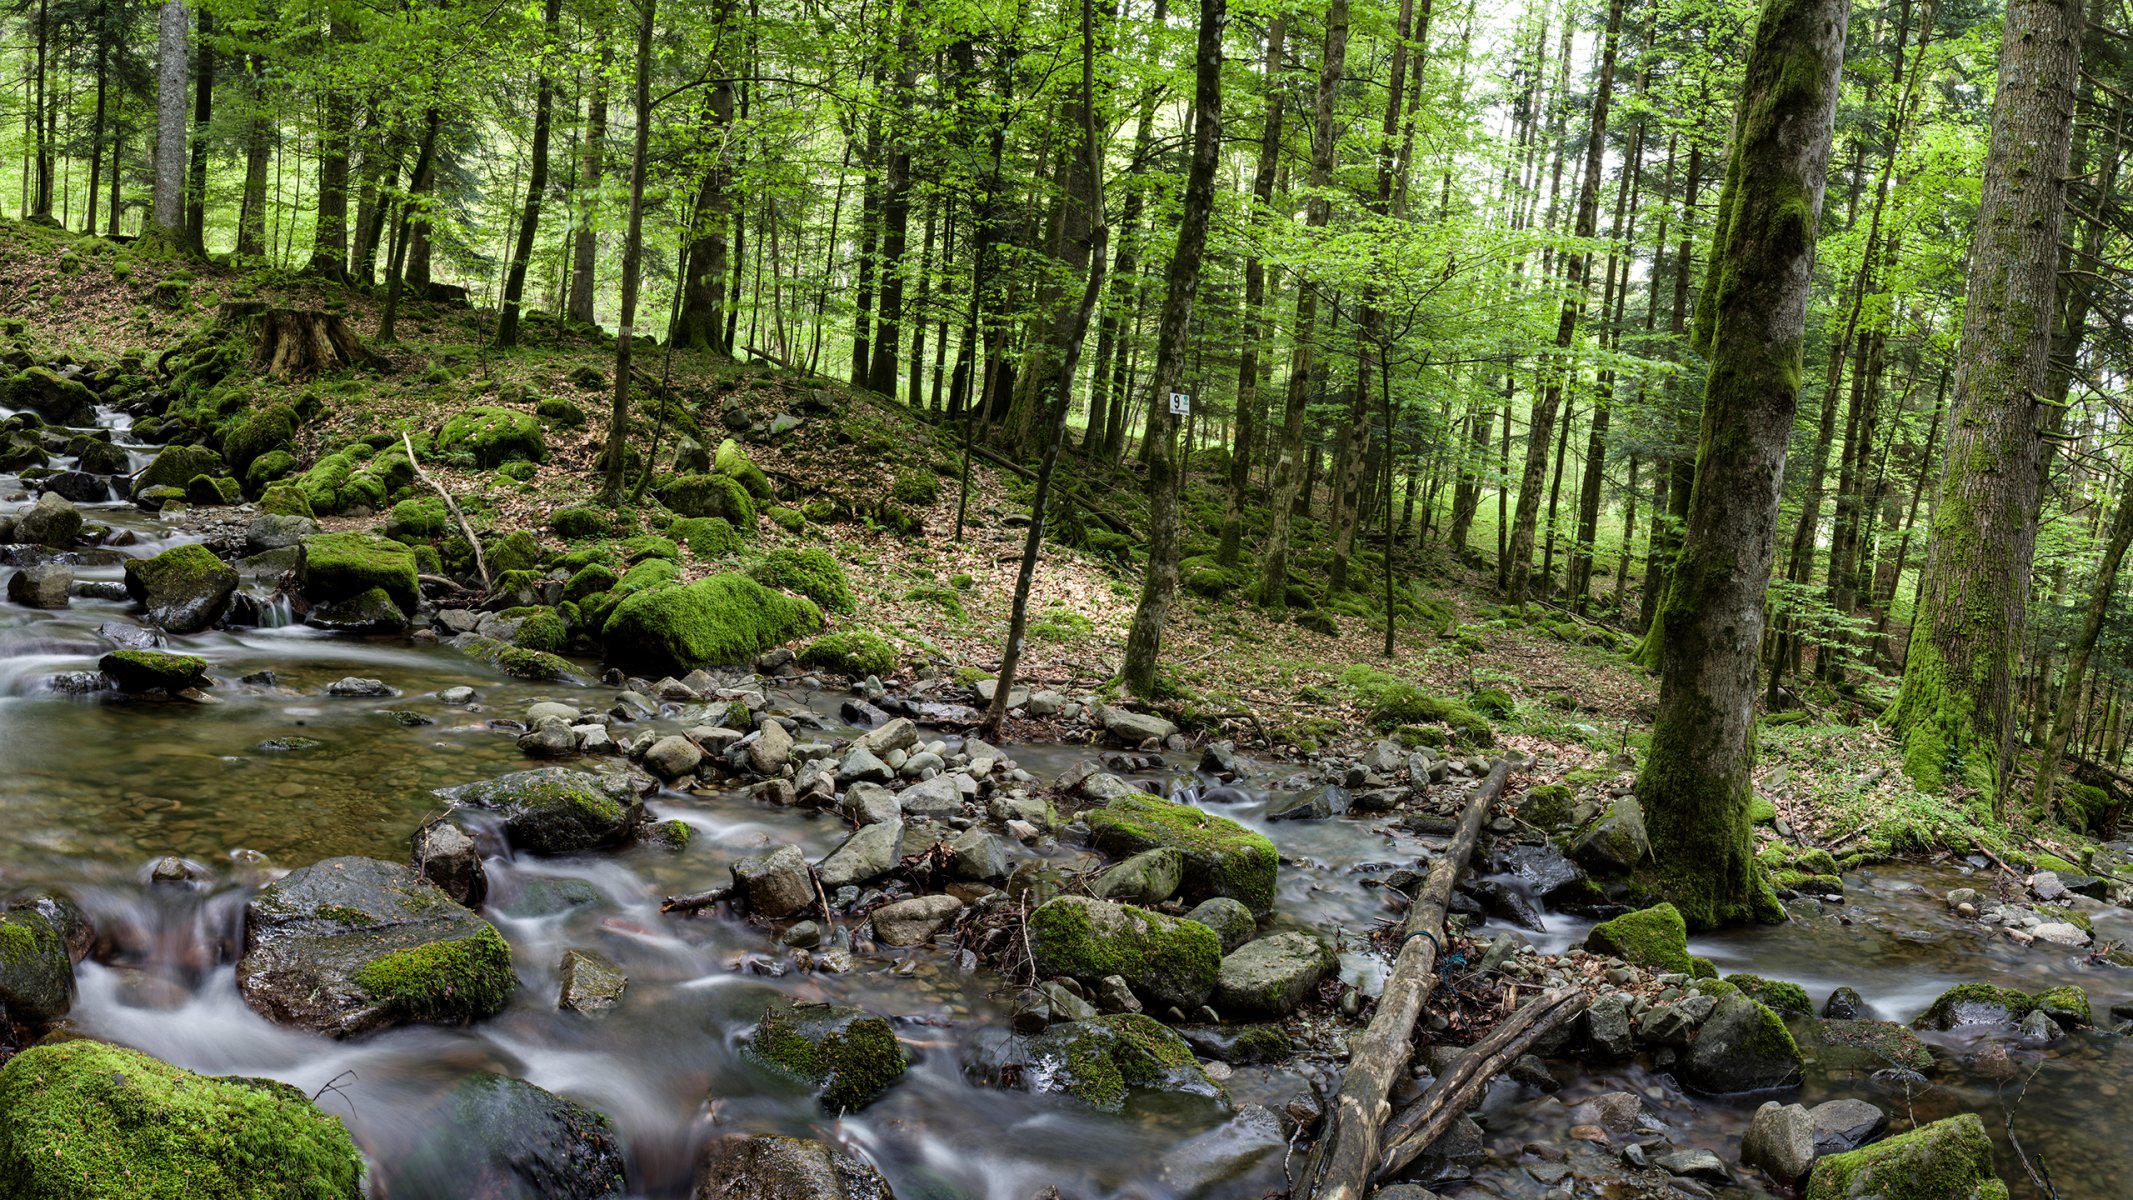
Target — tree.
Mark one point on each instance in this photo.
(1954, 712)
(1695, 784)
(1144, 641)
(536, 185)
(167, 216)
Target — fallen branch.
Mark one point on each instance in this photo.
(1341, 1164)
(1117, 524)
(1455, 1092)
(465, 529)
(695, 902)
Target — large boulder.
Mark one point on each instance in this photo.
(1780, 1141)
(52, 521)
(1616, 841)
(775, 885)
(1946, 1160)
(552, 810)
(1975, 1004)
(769, 1166)
(85, 1120)
(1103, 1060)
(492, 436)
(185, 589)
(349, 945)
(1655, 937)
(1222, 858)
(36, 974)
(709, 495)
(872, 851)
(1272, 976)
(50, 395)
(175, 466)
(1134, 728)
(727, 618)
(343, 566)
(499, 1138)
(41, 585)
(1742, 1047)
(851, 1056)
(1165, 960)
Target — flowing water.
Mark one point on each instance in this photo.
(93, 790)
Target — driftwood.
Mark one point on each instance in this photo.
(1418, 1126)
(465, 529)
(1346, 1156)
(695, 901)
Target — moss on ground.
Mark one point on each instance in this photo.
(812, 572)
(854, 652)
(707, 537)
(726, 618)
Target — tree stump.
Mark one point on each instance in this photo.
(295, 343)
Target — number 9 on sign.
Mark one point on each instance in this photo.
(1180, 404)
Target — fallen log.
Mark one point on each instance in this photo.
(695, 901)
(1346, 1155)
(1458, 1090)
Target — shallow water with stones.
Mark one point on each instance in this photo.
(93, 790)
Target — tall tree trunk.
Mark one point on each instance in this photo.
(895, 218)
(1144, 640)
(258, 147)
(585, 247)
(167, 213)
(203, 115)
(701, 322)
(329, 239)
(1954, 708)
(409, 225)
(1696, 783)
(1541, 425)
(1289, 468)
(618, 428)
(868, 232)
(529, 221)
(1107, 397)
(2077, 655)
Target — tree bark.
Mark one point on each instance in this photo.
(895, 218)
(1954, 709)
(618, 429)
(329, 240)
(258, 147)
(585, 247)
(203, 114)
(1696, 782)
(1144, 640)
(167, 209)
(1248, 404)
(529, 221)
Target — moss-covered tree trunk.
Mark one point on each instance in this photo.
(1695, 784)
(1955, 707)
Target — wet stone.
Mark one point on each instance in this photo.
(592, 983)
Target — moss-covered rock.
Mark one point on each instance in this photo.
(1865, 1046)
(915, 486)
(174, 466)
(711, 495)
(1102, 1061)
(268, 468)
(731, 460)
(1492, 702)
(268, 428)
(1742, 1046)
(851, 1055)
(1222, 858)
(555, 811)
(1947, 1160)
(1404, 704)
(1654, 937)
(47, 393)
(206, 491)
(36, 974)
(518, 550)
(726, 618)
(420, 519)
(2066, 1004)
(349, 945)
(542, 629)
(340, 566)
(1975, 1004)
(1165, 960)
(813, 572)
(1547, 806)
(492, 436)
(590, 580)
(184, 589)
(791, 520)
(153, 671)
(580, 521)
(284, 500)
(854, 652)
(707, 537)
(85, 1120)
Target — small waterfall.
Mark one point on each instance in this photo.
(275, 611)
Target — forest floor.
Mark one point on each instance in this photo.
(1292, 685)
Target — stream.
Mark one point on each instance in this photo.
(96, 790)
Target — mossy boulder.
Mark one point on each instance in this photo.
(854, 652)
(267, 469)
(1222, 858)
(850, 1055)
(518, 550)
(1949, 1159)
(285, 500)
(420, 519)
(337, 483)
(50, 395)
(590, 580)
(727, 618)
(1165, 960)
(184, 589)
(1975, 1004)
(580, 521)
(1655, 937)
(175, 466)
(86, 1120)
(153, 671)
(491, 1128)
(1404, 704)
(733, 461)
(1786, 999)
(915, 486)
(270, 428)
(52, 521)
(551, 810)
(207, 491)
(813, 572)
(341, 566)
(349, 945)
(36, 974)
(1104, 1060)
(707, 537)
(1865, 1046)
(2066, 1004)
(1742, 1046)
(1270, 977)
(1547, 806)
(542, 629)
(492, 436)
(709, 495)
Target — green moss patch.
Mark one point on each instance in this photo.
(1656, 938)
(1222, 858)
(854, 652)
(492, 436)
(726, 618)
(813, 572)
(851, 1055)
(339, 566)
(1946, 1160)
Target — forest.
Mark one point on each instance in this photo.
(1329, 598)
